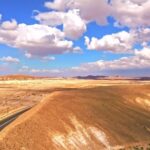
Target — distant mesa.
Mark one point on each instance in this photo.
(91, 77)
(117, 77)
(145, 78)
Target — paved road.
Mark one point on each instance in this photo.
(8, 120)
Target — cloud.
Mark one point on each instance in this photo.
(124, 11)
(131, 13)
(45, 71)
(9, 25)
(43, 58)
(121, 42)
(89, 10)
(143, 54)
(52, 18)
(41, 72)
(60, 5)
(139, 2)
(38, 40)
(48, 58)
(9, 59)
(25, 67)
(74, 15)
(28, 55)
(6, 68)
(67, 20)
(77, 49)
(140, 61)
(144, 35)
(96, 10)
(73, 25)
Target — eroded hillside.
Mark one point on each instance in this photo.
(105, 117)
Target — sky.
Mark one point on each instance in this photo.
(75, 37)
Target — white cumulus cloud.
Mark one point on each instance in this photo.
(9, 25)
(90, 10)
(39, 40)
(121, 42)
(131, 13)
(126, 64)
(9, 59)
(73, 25)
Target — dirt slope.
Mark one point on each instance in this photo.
(91, 119)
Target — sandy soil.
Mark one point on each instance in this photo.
(19, 93)
(90, 115)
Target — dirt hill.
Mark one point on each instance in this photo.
(99, 118)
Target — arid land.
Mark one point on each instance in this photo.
(72, 114)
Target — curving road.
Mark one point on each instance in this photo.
(6, 121)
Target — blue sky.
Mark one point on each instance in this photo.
(49, 38)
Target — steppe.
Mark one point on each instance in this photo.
(73, 114)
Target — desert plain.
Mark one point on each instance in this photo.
(73, 114)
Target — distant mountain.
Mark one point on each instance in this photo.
(91, 77)
(117, 77)
(144, 78)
